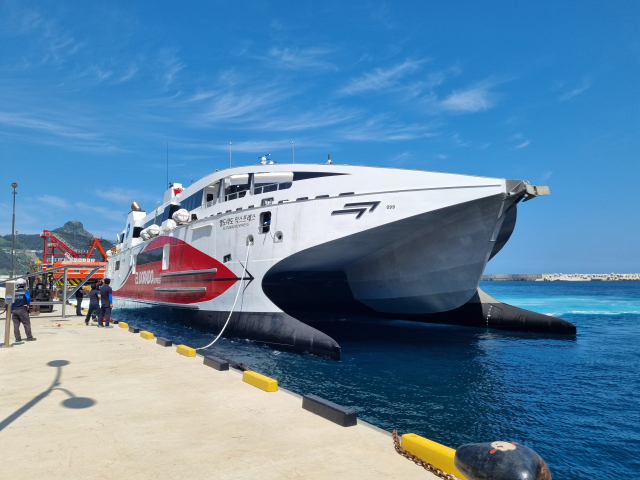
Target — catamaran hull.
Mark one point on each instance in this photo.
(267, 256)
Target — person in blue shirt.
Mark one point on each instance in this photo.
(94, 304)
(20, 311)
(106, 299)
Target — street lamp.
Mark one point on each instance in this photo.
(13, 226)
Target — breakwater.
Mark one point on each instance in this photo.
(562, 277)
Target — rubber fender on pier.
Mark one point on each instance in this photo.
(216, 363)
(343, 416)
(500, 461)
(123, 325)
(165, 342)
(260, 381)
(186, 351)
(440, 456)
(146, 335)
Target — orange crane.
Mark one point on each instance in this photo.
(94, 244)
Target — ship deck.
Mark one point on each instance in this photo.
(125, 407)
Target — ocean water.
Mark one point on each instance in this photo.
(576, 401)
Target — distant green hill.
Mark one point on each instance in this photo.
(71, 233)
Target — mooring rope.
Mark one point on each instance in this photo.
(235, 301)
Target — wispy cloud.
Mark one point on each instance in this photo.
(583, 87)
(401, 159)
(122, 195)
(50, 126)
(379, 129)
(381, 78)
(97, 72)
(54, 201)
(104, 212)
(130, 73)
(520, 140)
(300, 58)
(234, 106)
(170, 64)
(470, 100)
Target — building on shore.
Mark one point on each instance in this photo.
(553, 277)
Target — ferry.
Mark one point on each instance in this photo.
(270, 248)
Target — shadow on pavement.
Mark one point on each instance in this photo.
(71, 402)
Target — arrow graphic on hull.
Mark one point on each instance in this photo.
(357, 211)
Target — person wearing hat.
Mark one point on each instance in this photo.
(20, 311)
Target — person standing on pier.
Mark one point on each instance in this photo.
(94, 304)
(106, 298)
(79, 297)
(20, 310)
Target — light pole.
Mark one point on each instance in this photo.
(13, 226)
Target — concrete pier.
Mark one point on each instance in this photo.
(88, 402)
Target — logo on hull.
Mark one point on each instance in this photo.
(358, 209)
(146, 278)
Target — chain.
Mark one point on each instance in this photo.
(426, 465)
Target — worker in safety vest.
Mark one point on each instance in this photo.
(20, 311)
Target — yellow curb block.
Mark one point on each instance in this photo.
(260, 381)
(123, 325)
(440, 456)
(186, 351)
(147, 335)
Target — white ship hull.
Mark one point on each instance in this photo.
(395, 241)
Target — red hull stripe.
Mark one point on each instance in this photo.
(183, 284)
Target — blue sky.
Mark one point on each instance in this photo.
(544, 91)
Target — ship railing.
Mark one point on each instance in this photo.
(233, 196)
(272, 187)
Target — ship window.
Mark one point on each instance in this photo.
(265, 222)
(226, 258)
(307, 175)
(165, 256)
(236, 186)
(347, 193)
(239, 208)
(302, 198)
(267, 201)
(149, 256)
(271, 181)
(283, 201)
(210, 194)
(322, 196)
(118, 265)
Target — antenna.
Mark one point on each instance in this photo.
(191, 179)
(230, 158)
(293, 152)
(167, 164)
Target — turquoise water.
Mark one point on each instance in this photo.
(576, 401)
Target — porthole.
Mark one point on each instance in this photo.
(278, 237)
